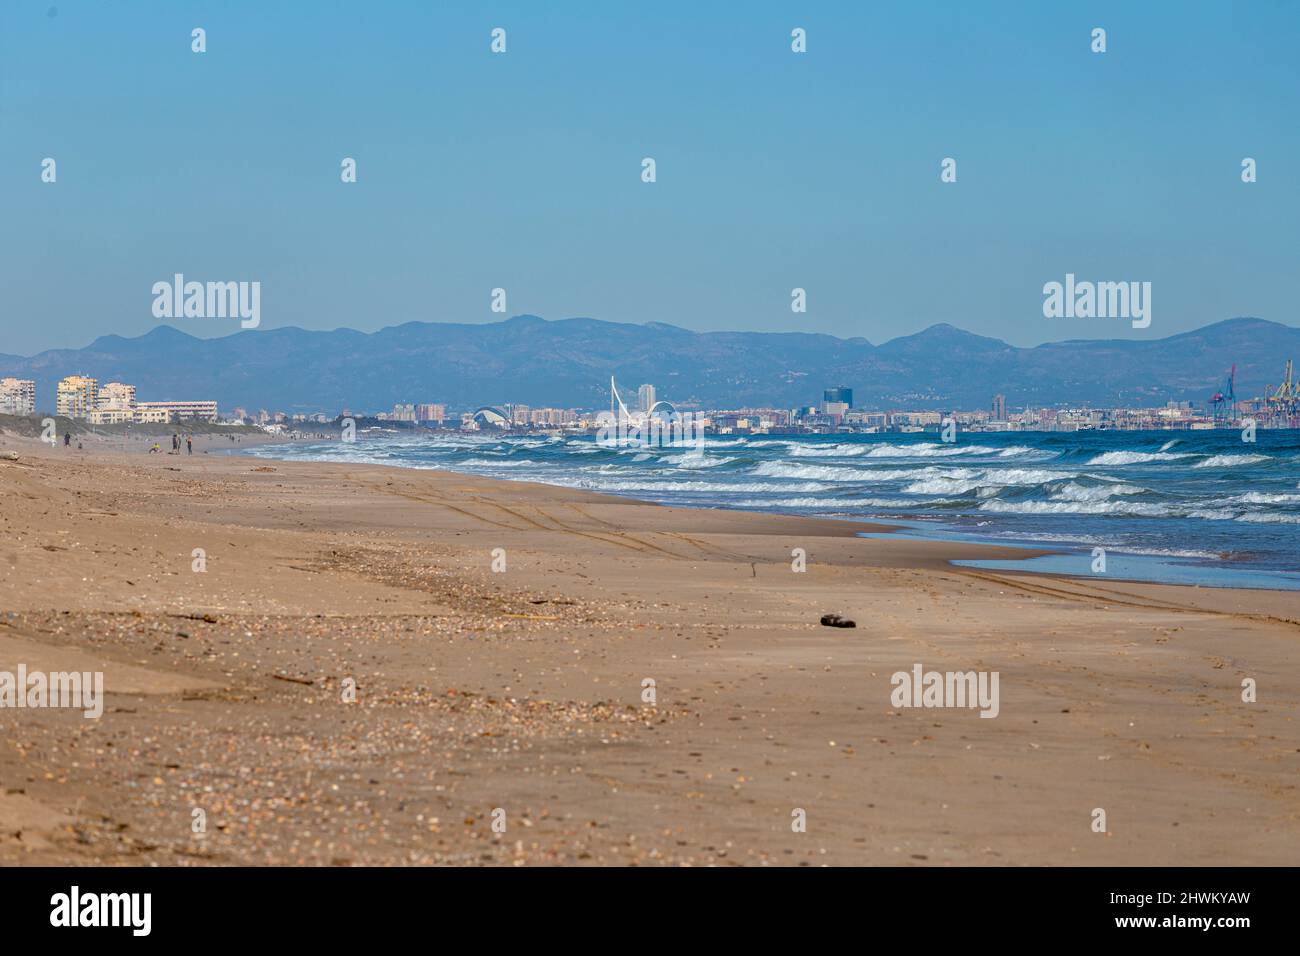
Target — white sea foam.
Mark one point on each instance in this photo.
(839, 450)
(701, 461)
(943, 485)
(781, 469)
(497, 462)
(1137, 457)
(1227, 461)
(822, 504)
(814, 503)
(601, 484)
(1072, 491)
(1138, 508)
(925, 480)
(952, 484)
(1259, 498)
(932, 450)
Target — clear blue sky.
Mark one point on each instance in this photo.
(522, 170)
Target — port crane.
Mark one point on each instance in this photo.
(1223, 403)
(1287, 395)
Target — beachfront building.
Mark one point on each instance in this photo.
(873, 421)
(126, 416)
(109, 416)
(76, 396)
(179, 411)
(427, 412)
(17, 396)
(116, 396)
(551, 416)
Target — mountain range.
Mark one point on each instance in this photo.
(567, 363)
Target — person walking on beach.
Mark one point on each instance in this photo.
(189, 444)
(67, 439)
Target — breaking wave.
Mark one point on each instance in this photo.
(1138, 457)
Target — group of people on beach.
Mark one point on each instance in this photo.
(155, 449)
(177, 439)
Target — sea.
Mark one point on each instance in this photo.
(1203, 508)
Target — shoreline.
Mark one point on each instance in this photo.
(1027, 553)
(524, 689)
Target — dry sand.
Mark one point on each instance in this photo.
(522, 690)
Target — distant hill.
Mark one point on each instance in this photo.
(567, 363)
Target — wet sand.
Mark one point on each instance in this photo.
(522, 690)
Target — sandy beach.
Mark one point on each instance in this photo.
(524, 690)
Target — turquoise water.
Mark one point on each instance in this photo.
(1186, 506)
(1081, 561)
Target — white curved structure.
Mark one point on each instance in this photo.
(616, 406)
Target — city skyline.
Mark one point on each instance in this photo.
(114, 403)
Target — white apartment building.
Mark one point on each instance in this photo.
(116, 395)
(17, 396)
(76, 396)
(119, 416)
(177, 411)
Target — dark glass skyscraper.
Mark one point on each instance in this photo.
(840, 394)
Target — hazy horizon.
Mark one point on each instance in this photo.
(171, 324)
(775, 170)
